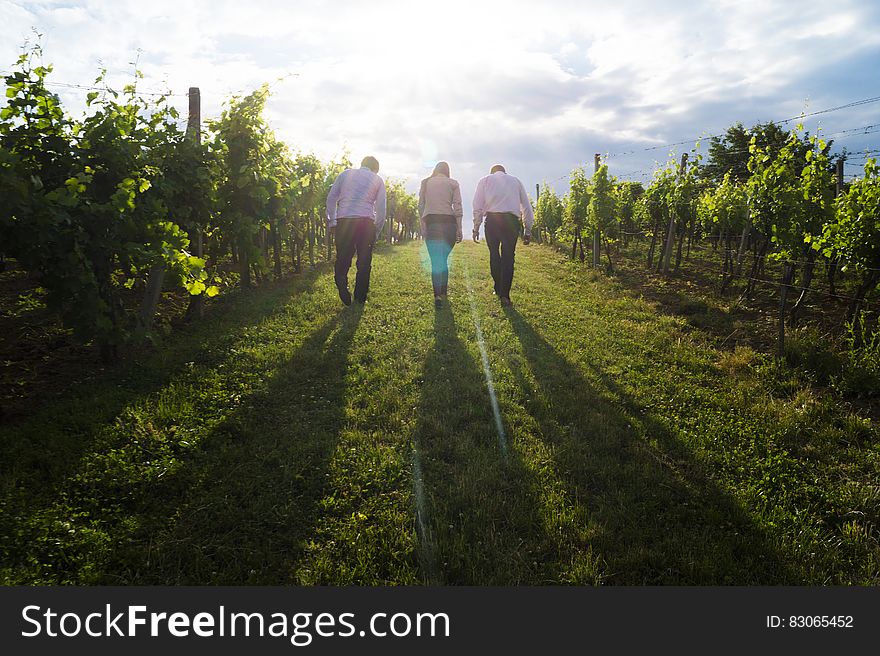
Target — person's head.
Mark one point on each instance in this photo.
(371, 163)
(442, 168)
(497, 168)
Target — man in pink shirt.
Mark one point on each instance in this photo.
(355, 215)
(502, 199)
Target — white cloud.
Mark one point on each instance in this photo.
(540, 85)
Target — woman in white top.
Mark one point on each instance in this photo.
(440, 212)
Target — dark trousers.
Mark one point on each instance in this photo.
(355, 235)
(502, 231)
(440, 235)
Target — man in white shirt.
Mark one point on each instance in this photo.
(355, 215)
(502, 199)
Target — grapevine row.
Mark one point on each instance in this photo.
(105, 211)
(765, 195)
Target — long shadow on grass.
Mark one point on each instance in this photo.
(237, 509)
(660, 520)
(42, 446)
(477, 511)
(252, 498)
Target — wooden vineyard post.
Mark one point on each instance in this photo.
(745, 233)
(787, 275)
(156, 277)
(834, 261)
(194, 133)
(670, 234)
(597, 238)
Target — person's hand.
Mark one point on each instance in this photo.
(476, 235)
(527, 239)
(332, 231)
(458, 236)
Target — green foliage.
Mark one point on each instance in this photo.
(549, 211)
(248, 163)
(93, 206)
(653, 207)
(402, 208)
(729, 154)
(626, 198)
(791, 192)
(303, 188)
(854, 234)
(576, 203)
(723, 209)
(602, 213)
(812, 352)
(776, 196)
(88, 207)
(308, 187)
(818, 184)
(861, 373)
(682, 196)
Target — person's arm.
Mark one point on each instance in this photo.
(380, 207)
(479, 206)
(456, 207)
(332, 200)
(527, 213)
(422, 193)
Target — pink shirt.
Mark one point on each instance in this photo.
(440, 194)
(499, 192)
(357, 193)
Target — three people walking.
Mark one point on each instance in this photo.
(356, 214)
(441, 213)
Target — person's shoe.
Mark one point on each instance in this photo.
(345, 296)
(506, 301)
(438, 302)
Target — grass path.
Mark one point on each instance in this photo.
(289, 440)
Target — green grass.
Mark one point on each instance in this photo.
(289, 440)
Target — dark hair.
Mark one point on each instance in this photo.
(497, 168)
(371, 163)
(442, 168)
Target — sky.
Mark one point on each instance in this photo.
(536, 86)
